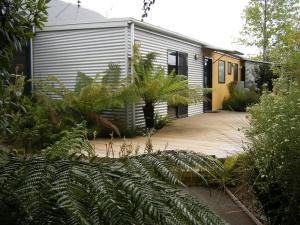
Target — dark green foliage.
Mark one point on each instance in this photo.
(34, 129)
(240, 98)
(160, 121)
(11, 89)
(72, 143)
(129, 190)
(274, 150)
(265, 77)
(91, 97)
(17, 17)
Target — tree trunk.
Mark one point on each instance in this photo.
(148, 110)
(265, 39)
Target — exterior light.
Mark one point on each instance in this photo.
(197, 56)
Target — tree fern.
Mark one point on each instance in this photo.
(153, 85)
(91, 95)
(129, 190)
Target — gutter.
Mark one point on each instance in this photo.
(169, 33)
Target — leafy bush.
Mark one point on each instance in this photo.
(265, 77)
(274, 148)
(239, 98)
(160, 121)
(11, 89)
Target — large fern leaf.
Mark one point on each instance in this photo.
(130, 190)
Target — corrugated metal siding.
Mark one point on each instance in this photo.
(250, 74)
(151, 41)
(64, 53)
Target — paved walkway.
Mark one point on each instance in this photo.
(210, 133)
(221, 204)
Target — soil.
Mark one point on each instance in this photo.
(246, 196)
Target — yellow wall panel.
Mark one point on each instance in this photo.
(220, 90)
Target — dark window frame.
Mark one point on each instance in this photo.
(177, 54)
(229, 68)
(221, 82)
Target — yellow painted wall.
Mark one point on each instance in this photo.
(220, 90)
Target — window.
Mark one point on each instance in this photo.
(236, 72)
(178, 62)
(229, 68)
(221, 71)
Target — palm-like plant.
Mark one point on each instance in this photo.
(129, 190)
(91, 96)
(153, 85)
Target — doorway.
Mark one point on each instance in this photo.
(207, 83)
(178, 62)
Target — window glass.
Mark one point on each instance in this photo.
(178, 62)
(236, 72)
(229, 68)
(221, 71)
(182, 64)
(172, 59)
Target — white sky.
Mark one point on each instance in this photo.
(217, 22)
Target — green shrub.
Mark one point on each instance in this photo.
(239, 98)
(160, 121)
(38, 124)
(274, 147)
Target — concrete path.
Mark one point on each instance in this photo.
(221, 204)
(210, 133)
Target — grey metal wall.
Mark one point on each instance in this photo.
(153, 41)
(250, 73)
(63, 53)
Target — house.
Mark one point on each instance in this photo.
(76, 39)
(221, 67)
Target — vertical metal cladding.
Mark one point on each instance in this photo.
(63, 53)
(153, 41)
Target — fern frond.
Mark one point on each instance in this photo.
(73, 142)
(130, 190)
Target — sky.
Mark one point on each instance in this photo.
(217, 22)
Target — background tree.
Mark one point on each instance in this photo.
(17, 18)
(146, 8)
(266, 22)
(287, 55)
(265, 77)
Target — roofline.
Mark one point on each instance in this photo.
(257, 61)
(120, 22)
(234, 53)
(166, 31)
(73, 26)
(125, 21)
